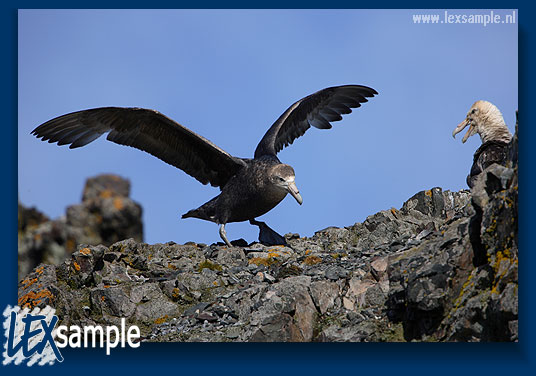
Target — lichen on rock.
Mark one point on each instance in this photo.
(443, 267)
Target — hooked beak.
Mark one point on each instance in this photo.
(293, 190)
(460, 128)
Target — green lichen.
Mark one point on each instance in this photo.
(209, 265)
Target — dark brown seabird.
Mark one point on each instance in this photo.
(485, 119)
(249, 187)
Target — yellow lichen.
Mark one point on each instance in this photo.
(467, 283)
(500, 257)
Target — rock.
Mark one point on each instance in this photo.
(442, 268)
(324, 295)
(335, 272)
(105, 216)
(29, 218)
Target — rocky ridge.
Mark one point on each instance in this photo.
(105, 216)
(443, 267)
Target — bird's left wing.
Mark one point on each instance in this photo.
(147, 130)
(318, 109)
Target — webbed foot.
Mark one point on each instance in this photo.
(267, 236)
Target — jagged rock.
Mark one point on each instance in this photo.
(105, 216)
(325, 295)
(442, 268)
(105, 186)
(29, 218)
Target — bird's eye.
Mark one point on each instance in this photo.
(280, 178)
(473, 111)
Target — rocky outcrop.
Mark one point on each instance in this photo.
(105, 216)
(443, 267)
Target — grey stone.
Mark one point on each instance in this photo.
(335, 272)
(442, 268)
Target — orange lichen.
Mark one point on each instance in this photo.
(266, 261)
(312, 260)
(85, 251)
(107, 193)
(428, 193)
(118, 203)
(76, 266)
(161, 320)
(27, 282)
(33, 298)
(308, 251)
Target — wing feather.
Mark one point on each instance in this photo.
(147, 130)
(318, 110)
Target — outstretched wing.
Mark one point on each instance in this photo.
(318, 109)
(147, 130)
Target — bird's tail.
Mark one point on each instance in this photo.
(206, 211)
(194, 213)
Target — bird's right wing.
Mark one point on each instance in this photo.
(147, 130)
(317, 110)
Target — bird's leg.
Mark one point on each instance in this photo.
(223, 235)
(268, 236)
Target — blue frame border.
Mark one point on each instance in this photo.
(512, 358)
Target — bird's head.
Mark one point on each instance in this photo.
(486, 120)
(283, 179)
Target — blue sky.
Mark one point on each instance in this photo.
(229, 74)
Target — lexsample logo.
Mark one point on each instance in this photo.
(34, 338)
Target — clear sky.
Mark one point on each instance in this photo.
(229, 74)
